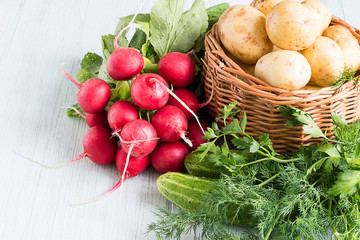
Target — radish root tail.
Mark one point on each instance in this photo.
(57, 165)
(212, 90)
(182, 103)
(77, 111)
(116, 133)
(116, 186)
(69, 77)
(186, 140)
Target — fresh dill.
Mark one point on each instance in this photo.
(312, 194)
(346, 76)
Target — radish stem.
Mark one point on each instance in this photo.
(126, 27)
(70, 77)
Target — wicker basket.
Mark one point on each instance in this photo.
(228, 82)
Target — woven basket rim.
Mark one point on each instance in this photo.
(259, 88)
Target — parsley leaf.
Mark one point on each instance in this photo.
(299, 118)
(347, 183)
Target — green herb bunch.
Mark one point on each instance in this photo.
(311, 194)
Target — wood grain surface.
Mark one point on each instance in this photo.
(36, 36)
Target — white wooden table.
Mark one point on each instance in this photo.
(36, 36)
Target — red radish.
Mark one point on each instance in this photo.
(140, 135)
(98, 145)
(124, 63)
(93, 119)
(148, 91)
(195, 134)
(120, 113)
(97, 119)
(128, 167)
(189, 98)
(171, 124)
(93, 95)
(138, 139)
(177, 68)
(169, 157)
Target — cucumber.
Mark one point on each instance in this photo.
(185, 191)
(188, 192)
(203, 168)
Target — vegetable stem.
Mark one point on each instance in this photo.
(268, 180)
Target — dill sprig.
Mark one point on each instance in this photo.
(346, 76)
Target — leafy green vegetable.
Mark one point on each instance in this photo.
(214, 14)
(121, 91)
(347, 183)
(143, 19)
(138, 40)
(298, 118)
(90, 66)
(172, 30)
(301, 196)
(149, 67)
(108, 44)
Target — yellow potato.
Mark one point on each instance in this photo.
(348, 44)
(321, 12)
(326, 60)
(264, 6)
(291, 26)
(310, 87)
(275, 48)
(242, 32)
(248, 68)
(284, 69)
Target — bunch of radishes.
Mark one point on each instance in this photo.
(173, 130)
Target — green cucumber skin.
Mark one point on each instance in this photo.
(188, 192)
(202, 168)
(184, 190)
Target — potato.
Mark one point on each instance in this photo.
(248, 68)
(321, 12)
(348, 44)
(275, 48)
(284, 69)
(326, 60)
(310, 87)
(291, 26)
(242, 32)
(264, 6)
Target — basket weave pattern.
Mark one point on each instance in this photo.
(260, 101)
